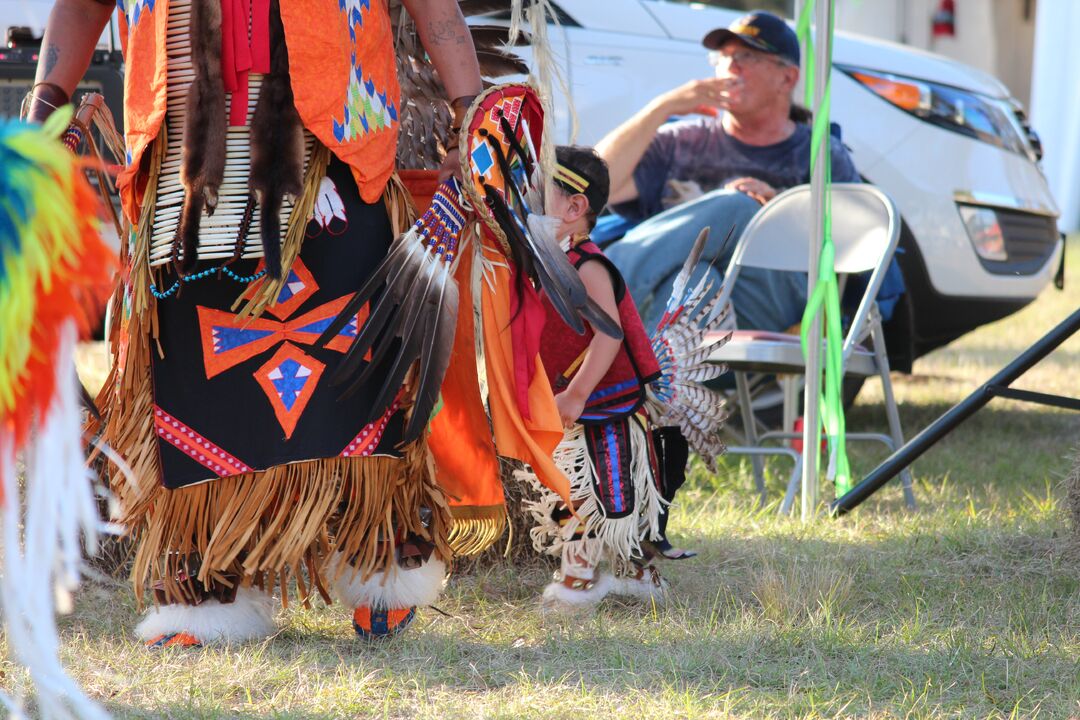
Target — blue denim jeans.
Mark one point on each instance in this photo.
(651, 254)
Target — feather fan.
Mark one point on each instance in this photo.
(679, 397)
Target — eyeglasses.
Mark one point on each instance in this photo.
(743, 58)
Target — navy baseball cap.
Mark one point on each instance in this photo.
(761, 31)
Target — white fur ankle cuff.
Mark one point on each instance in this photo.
(392, 590)
(249, 617)
(559, 597)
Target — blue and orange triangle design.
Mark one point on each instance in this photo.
(289, 379)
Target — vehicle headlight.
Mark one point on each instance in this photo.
(987, 119)
(985, 232)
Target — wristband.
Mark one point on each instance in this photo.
(45, 98)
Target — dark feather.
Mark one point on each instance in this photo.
(498, 63)
(393, 316)
(407, 320)
(568, 293)
(482, 7)
(600, 321)
(88, 402)
(438, 343)
(495, 36)
(395, 260)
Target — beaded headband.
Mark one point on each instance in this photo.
(574, 181)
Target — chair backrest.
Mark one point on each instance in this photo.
(865, 230)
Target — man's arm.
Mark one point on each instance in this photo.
(449, 44)
(602, 349)
(70, 38)
(624, 146)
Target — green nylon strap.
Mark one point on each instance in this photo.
(826, 295)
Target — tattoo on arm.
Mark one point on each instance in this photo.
(445, 32)
(51, 58)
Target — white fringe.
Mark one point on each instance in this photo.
(604, 537)
(249, 617)
(392, 590)
(545, 68)
(44, 529)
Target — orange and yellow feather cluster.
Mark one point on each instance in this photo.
(54, 266)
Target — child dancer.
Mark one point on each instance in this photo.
(600, 385)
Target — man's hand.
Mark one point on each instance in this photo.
(570, 406)
(698, 96)
(451, 164)
(760, 190)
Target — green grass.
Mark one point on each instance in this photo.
(969, 608)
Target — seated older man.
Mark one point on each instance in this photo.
(715, 170)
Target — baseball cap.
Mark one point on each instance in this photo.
(761, 31)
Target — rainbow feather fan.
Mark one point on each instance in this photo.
(55, 275)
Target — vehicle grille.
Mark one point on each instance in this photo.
(12, 93)
(1029, 241)
(13, 90)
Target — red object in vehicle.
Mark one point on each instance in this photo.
(944, 19)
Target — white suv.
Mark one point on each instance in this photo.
(946, 141)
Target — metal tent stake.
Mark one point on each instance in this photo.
(997, 386)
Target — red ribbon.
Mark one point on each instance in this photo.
(243, 52)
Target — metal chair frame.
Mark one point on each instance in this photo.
(865, 232)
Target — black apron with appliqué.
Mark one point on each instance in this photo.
(236, 396)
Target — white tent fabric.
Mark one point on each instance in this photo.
(1055, 102)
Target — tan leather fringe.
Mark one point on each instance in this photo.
(126, 398)
(287, 522)
(266, 528)
(476, 528)
(399, 205)
(267, 292)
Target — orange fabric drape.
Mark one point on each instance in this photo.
(465, 464)
(534, 440)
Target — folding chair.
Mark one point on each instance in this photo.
(865, 231)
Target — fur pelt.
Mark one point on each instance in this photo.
(202, 169)
(393, 590)
(249, 617)
(277, 145)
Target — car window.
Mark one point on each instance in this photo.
(783, 8)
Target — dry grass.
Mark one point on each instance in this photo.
(1072, 500)
(969, 608)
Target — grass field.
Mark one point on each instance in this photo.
(969, 608)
